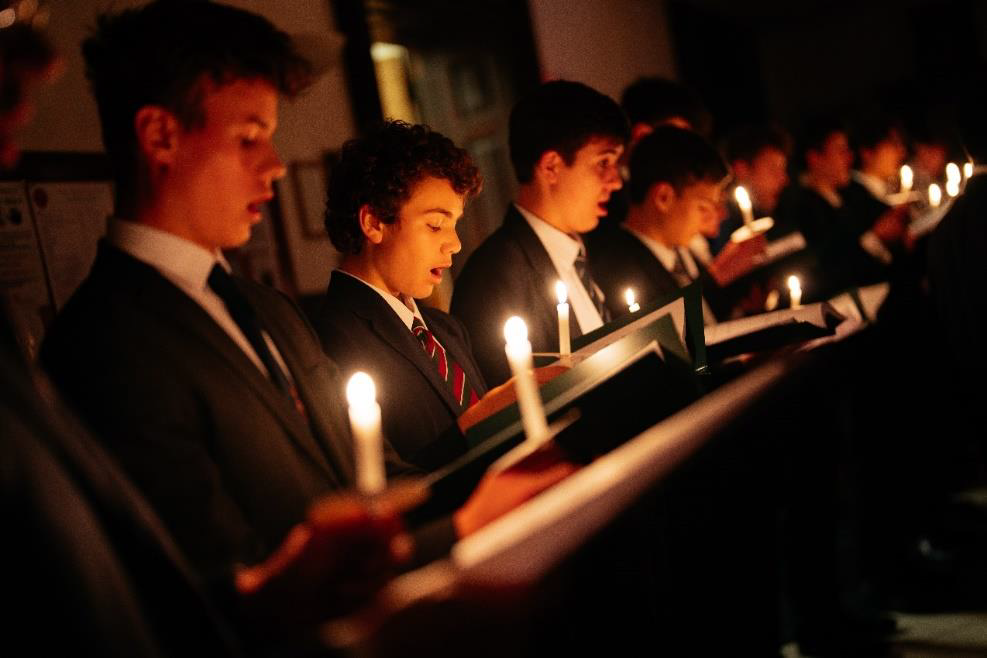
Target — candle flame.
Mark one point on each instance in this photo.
(907, 178)
(561, 292)
(953, 187)
(935, 195)
(360, 390)
(794, 285)
(968, 169)
(953, 173)
(743, 198)
(629, 296)
(515, 330)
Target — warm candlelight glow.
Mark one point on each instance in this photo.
(515, 331)
(795, 291)
(361, 391)
(743, 198)
(953, 174)
(953, 188)
(632, 305)
(968, 169)
(561, 292)
(907, 178)
(935, 195)
(744, 201)
(368, 450)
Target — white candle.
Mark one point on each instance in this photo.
(935, 195)
(795, 291)
(519, 357)
(563, 294)
(968, 170)
(367, 441)
(907, 178)
(953, 187)
(744, 201)
(632, 305)
(953, 174)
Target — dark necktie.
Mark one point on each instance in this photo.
(243, 314)
(595, 294)
(449, 371)
(680, 271)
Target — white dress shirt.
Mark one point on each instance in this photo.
(405, 307)
(562, 250)
(187, 266)
(667, 256)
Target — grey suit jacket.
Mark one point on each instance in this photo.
(223, 456)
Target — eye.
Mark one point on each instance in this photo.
(434, 228)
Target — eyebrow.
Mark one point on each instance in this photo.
(441, 211)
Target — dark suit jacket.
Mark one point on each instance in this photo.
(509, 274)
(621, 261)
(89, 568)
(223, 456)
(359, 331)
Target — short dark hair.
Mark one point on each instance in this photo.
(561, 116)
(653, 100)
(382, 169)
(816, 132)
(674, 156)
(159, 54)
(748, 142)
(872, 128)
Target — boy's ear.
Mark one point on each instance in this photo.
(548, 166)
(157, 134)
(370, 225)
(663, 195)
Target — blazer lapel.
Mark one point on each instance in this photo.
(540, 261)
(385, 323)
(171, 306)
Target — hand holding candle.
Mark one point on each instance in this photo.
(368, 442)
(563, 294)
(632, 305)
(744, 202)
(795, 291)
(518, 351)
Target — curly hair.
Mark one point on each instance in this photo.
(381, 171)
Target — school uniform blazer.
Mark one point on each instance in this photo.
(360, 331)
(621, 261)
(509, 274)
(90, 569)
(223, 456)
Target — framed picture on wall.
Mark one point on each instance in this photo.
(309, 179)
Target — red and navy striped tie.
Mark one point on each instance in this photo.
(449, 371)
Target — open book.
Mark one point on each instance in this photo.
(771, 330)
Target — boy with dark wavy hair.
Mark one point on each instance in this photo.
(395, 198)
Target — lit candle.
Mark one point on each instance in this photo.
(744, 201)
(519, 357)
(968, 170)
(563, 294)
(953, 187)
(953, 174)
(795, 291)
(907, 177)
(367, 441)
(632, 305)
(935, 195)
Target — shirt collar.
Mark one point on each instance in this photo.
(562, 248)
(874, 185)
(166, 252)
(405, 307)
(666, 255)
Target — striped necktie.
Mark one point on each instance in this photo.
(450, 372)
(595, 294)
